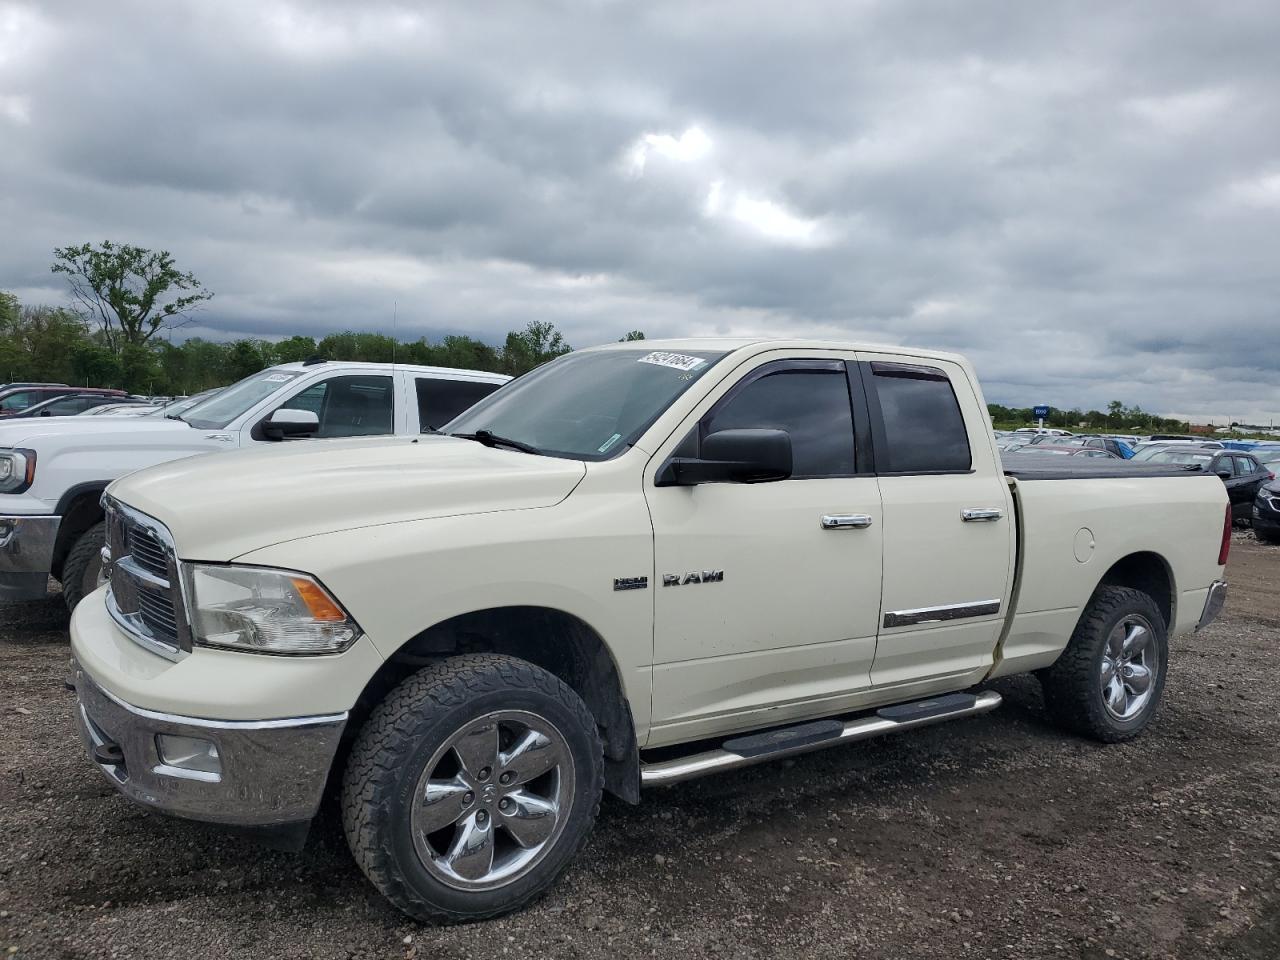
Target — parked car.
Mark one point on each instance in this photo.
(15, 399)
(1241, 472)
(53, 470)
(607, 576)
(134, 408)
(1112, 446)
(1070, 451)
(1266, 512)
(73, 404)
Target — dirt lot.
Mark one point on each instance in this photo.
(991, 837)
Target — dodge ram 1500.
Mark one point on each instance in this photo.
(635, 565)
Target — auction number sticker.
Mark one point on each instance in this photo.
(277, 378)
(677, 361)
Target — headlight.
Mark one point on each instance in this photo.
(17, 470)
(265, 611)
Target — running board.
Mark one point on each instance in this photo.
(789, 741)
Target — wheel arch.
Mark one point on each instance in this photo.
(559, 642)
(80, 508)
(1151, 573)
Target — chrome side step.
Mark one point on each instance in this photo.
(789, 741)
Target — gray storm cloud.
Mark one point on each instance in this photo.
(1085, 201)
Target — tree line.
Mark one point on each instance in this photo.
(54, 344)
(1117, 417)
(125, 296)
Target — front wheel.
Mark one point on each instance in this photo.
(471, 787)
(83, 566)
(1109, 679)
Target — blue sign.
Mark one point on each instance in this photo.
(1040, 412)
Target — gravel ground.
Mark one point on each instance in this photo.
(989, 837)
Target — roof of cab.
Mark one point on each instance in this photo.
(454, 372)
(759, 344)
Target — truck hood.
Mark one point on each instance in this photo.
(219, 508)
(103, 431)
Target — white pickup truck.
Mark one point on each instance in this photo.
(637, 564)
(53, 470)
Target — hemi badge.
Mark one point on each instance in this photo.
(630, 583)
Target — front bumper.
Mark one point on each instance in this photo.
(271, 772)
(26, 555)
(1213, 603)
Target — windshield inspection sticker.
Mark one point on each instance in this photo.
(609, 443)
(677, 361)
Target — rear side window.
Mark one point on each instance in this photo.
(924, 430)
(439, 401)
(1245, 467)
(807, 399)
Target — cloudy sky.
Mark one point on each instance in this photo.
(1085, 198)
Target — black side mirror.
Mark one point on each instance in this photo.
(732, 456)
(285, 423)
(1225, 474)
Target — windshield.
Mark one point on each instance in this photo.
(1182, 457)
(220, 409)
(586, 406)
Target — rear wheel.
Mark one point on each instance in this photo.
(83, 566)
(471, 787)
(1108, 681)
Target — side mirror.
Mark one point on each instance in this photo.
(285, 423)
(732, 456)
(1225, 474)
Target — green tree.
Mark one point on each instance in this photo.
(531, 347)
(294, 349)
(633, 335)
(130, 292)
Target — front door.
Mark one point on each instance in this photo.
(949, 538)
(767, 595)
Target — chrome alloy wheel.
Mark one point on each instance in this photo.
(1129, 667)
(493, 800)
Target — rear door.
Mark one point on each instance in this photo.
(949, 533)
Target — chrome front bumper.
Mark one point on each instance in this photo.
(26, 555)
(1213, 603)
(271, 772)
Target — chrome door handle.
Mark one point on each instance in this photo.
(845, 521)
(981, 514)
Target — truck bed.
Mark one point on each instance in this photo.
(1049, 466)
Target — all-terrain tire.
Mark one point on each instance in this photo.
(1073, 687)
(402, 736)
(83, 564)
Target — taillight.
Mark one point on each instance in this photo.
(1226, 539)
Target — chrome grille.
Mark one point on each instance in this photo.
(145, 595)
(147, 552)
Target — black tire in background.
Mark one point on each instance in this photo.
(427, 724)
(1121, 634)
(83, 565)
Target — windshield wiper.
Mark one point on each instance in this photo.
(491, 439)
(174, 416)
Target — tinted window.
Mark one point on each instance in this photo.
(21, 400)
(1245, 467)
(439, 401)
(69, 405)
(356, 406)
(811, 405)
(923, 427)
